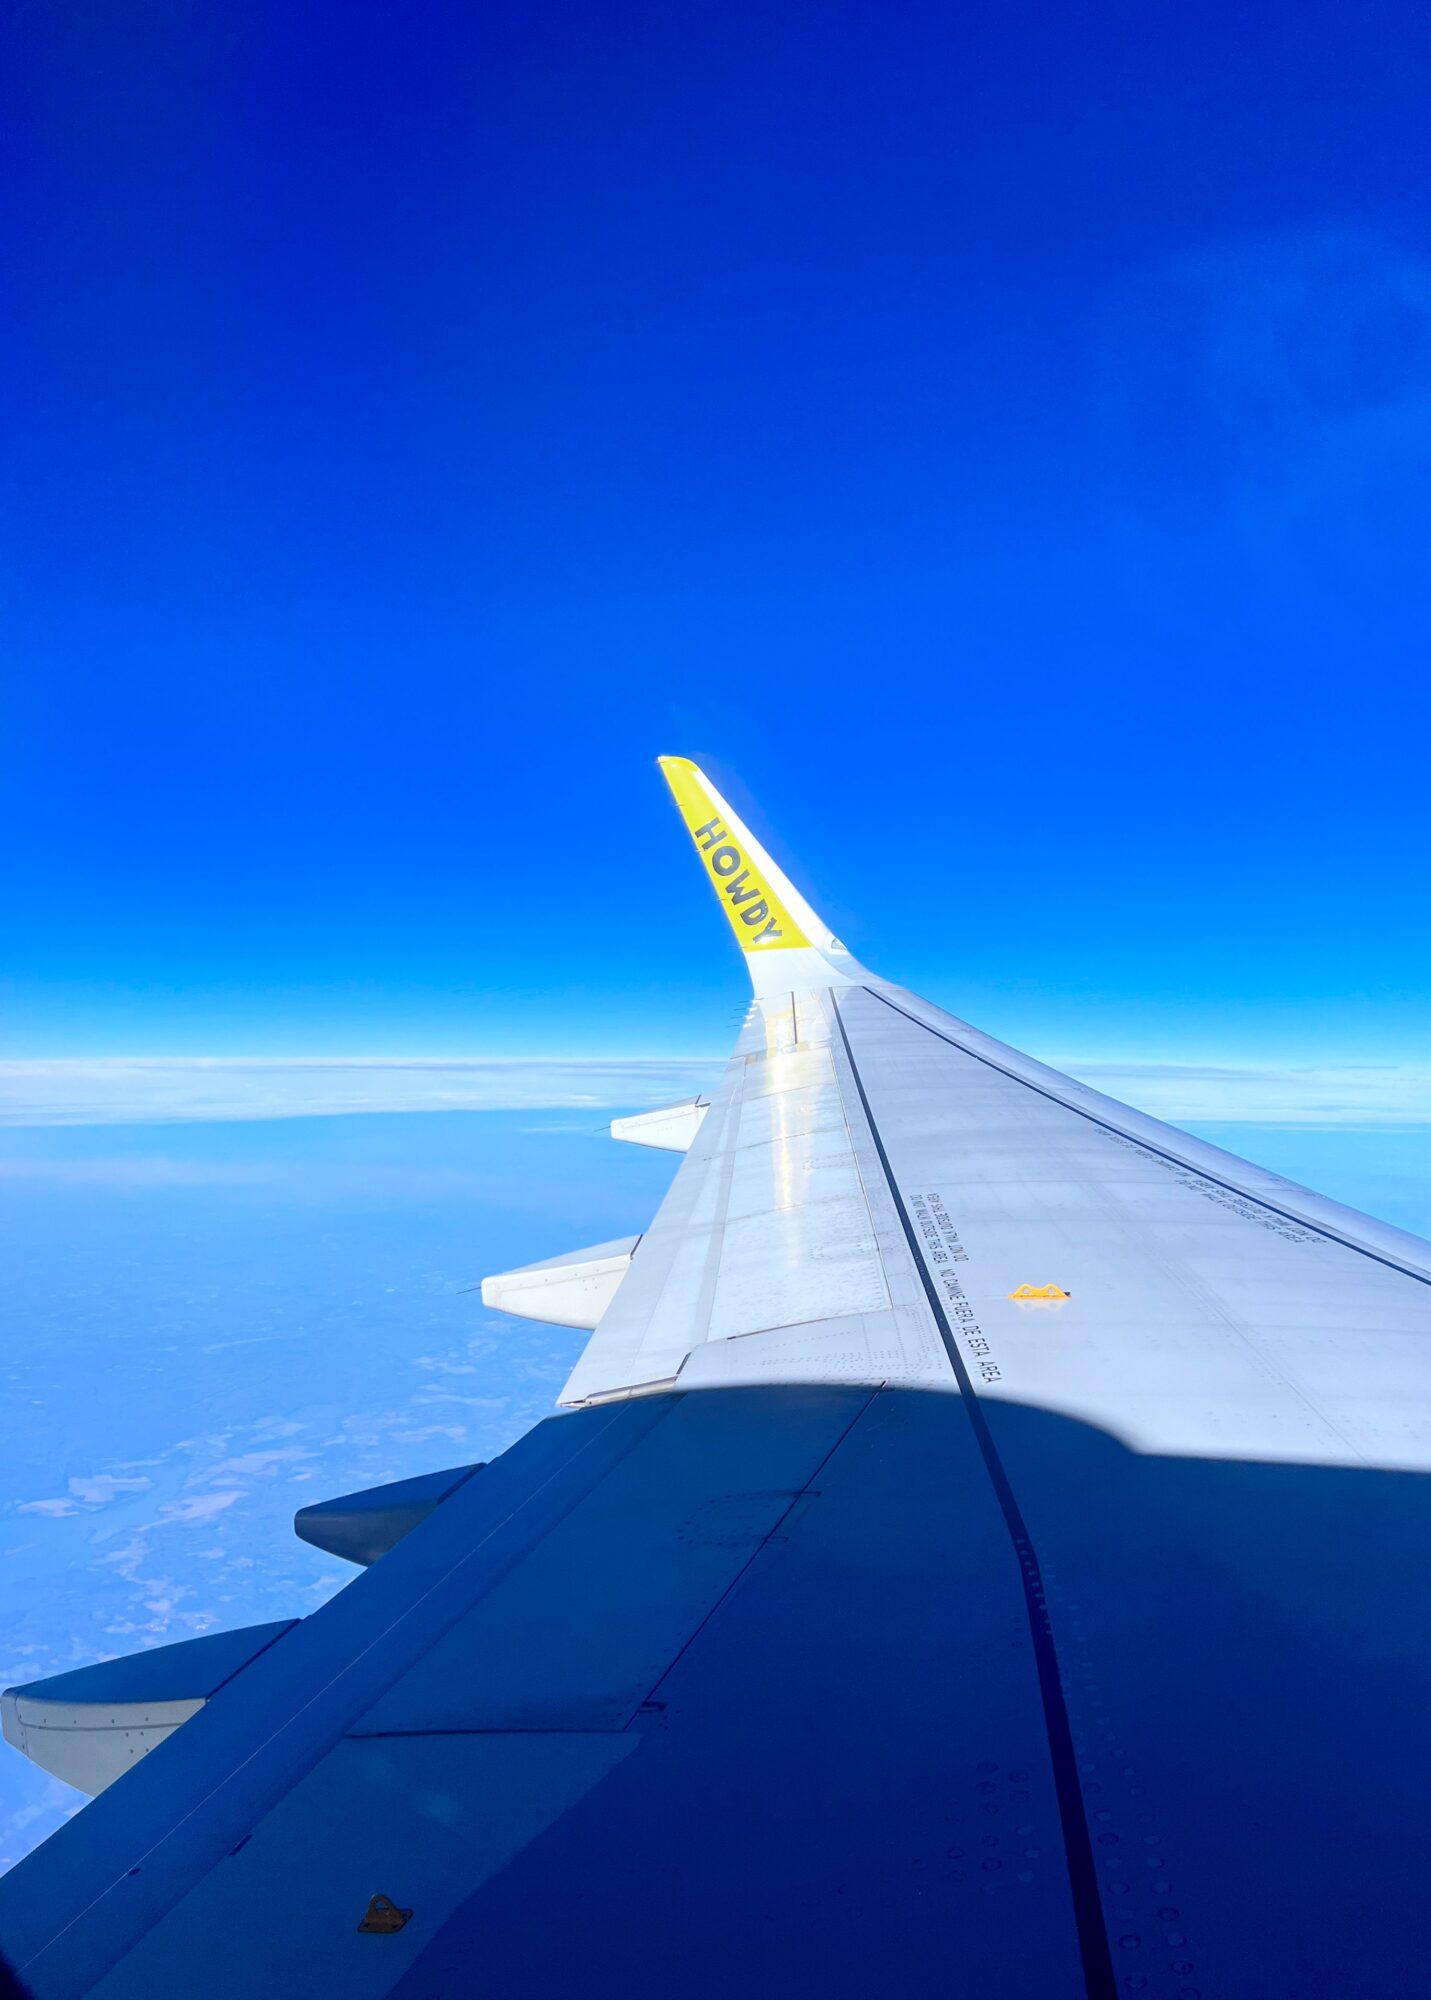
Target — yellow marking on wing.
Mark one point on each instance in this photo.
(759, 919)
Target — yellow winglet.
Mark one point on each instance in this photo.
(755, 896)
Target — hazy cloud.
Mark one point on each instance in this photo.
(1349, 1094)
(105, 1486)
(155, 1091)
(250, 1465)
(196, 1507)
(1276, 390)
(119, 1090)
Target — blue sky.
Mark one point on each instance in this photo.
(998, 440)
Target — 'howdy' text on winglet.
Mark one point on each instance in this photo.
(725, 858)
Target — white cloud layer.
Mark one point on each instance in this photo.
(157, 1090)
(1347, 1094)
(147, 1090)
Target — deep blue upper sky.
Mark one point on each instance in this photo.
(1001, 435)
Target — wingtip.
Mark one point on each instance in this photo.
(764, 911)
(771, 920)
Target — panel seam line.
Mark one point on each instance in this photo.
(1087, 1899)
(774, 1529)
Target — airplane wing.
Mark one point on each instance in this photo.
(982, 1549)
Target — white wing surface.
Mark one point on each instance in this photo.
(983, 1550)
